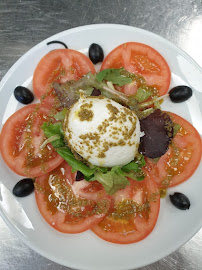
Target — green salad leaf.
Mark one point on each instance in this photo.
(135, 165)
(136, 176)
(60, 147)
(176, 128)
(112, 180)
(142, 94)
(76, 165)
(133, 169)
(50, 130)
(60, 116)
(113, 75)
(116, 177)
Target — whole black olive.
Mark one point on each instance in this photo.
(23, 95)
(180, 93)
(96, 53)
(180, 201)
(96, 92)
(24, 187)
(79, 176)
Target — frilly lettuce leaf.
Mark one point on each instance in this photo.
(112, 180)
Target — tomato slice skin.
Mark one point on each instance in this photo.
(125, 230)
(16, 143)
(60, 65)
(143, 60)
(67, 221)
(187, 145)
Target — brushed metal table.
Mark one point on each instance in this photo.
(24, 23)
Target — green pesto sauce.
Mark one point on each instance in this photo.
(128, 208)
(85, 115)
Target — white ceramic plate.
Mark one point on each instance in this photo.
(86, 250)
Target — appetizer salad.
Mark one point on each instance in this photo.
(97, 148)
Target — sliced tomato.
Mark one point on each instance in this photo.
(143, 60)
(63, 209)
(182, 158)
(60, 66)
(20, 141)
(89, 190)
(133, 215)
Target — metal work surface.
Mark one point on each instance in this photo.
(24, 23)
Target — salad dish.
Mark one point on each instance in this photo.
(101, 141)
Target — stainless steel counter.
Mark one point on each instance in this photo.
(24, 23)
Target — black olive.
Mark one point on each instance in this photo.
(23, 95)
(96, 53)
(180, 201)
(24, 187)
(79, 176)
(96, 92)
(180, 93)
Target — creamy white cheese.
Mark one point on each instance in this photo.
(102, 131)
